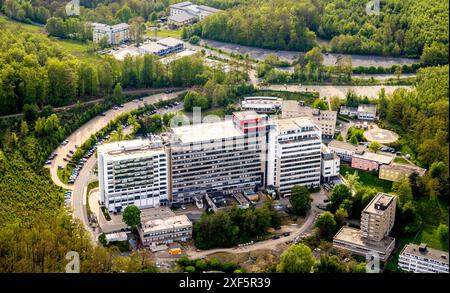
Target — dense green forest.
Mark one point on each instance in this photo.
(401, 28)
(29, 61)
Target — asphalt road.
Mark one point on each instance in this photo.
(86, 174)
(79, 136)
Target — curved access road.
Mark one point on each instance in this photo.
(79, 136)
(295, 231)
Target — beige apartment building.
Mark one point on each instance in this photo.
(116, 34)
(377, 220)
(397, 172)
(325, 119)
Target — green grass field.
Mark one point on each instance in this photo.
(369, 179)
(20, 26)
(165, 33)
(77, 49)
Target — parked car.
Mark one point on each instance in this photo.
(286, 234)
(276, 237)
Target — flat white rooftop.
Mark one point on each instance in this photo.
(174, 222)
(130, 148)
(152, 47)
(170, 42)
(206, 131)
(381, 159)
(123, 53)
(286, 124)
(383, 200)
(248, 115)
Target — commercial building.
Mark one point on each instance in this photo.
(367, 112)
(294, 156)
(422, 259)
(172, 45)
(133, 172)
(115, 34)
(265, 105)
(162, 47)
(185, 13)
(224, 156)
(370, 161)
(397, 172)
(325, 119)
(377, 220)
(345, 150)
(165, 230)
(330, 164)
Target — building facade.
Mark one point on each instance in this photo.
(367, 112)
(294, 154)
(133, 173)
(115, 34)
(397, 172)
(224, 156)
(162, 47)
(422, 259)
(165, 230)
(348, 111)
(264, 105)
(370, 161)
(330, 164)
(378, 217)
(325, 119)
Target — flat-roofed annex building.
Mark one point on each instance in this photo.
(133, 172)
(369, 161)
(266, 105)
(325, 119)
(422, 259)
(186, 12)
(222, 156)
(377, 220)
(345, 150)
(398, 172)
(165, 230)
(294, 154)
